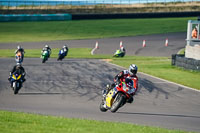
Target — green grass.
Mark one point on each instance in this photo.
(15, 122)
(36, 53)
(84, 29)
(161, 67)
(156, 66)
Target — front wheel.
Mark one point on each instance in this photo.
(16, 88)
(118, 101)
(44, 59)
(101, 107)
(60, 57)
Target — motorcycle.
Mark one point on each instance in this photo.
(119, 53)
(45, 56)
(19, 57)
(115, 98)
(61, 55)
(16, 81)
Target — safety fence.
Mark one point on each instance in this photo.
(91, 4)
(187, 63)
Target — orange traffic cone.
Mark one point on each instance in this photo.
(95, 48)
(144, 43)
(166, 42)
(120, 45)
(97, 45)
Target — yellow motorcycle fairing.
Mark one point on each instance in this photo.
(14, 77)
(110, 97)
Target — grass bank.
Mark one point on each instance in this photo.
(15, 122)
(86, 29)
(156, 66)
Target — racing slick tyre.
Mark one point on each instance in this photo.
(101, 107)
(43, 60)
(15, 88)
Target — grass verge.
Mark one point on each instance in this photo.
(15, 122)
(156, 66)
(84, 29)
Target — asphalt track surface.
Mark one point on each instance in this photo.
(155, 44)
(72, 88)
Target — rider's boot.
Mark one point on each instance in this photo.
(130, 100)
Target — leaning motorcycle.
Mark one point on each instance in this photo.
(118, 53)
(16, 81)
(61, 54)
(115, 98)
(19, 57)
(45, 56)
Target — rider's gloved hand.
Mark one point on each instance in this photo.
(131, 91)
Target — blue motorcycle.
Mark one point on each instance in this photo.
(62, 53)
(16, 82)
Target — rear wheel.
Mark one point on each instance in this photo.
(118, 101)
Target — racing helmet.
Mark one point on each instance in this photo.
(133, 69)
(46, 46)
(19, 47)
(64, 46)
(19, 65)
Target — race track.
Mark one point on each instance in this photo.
(155, 44)
(72, 88)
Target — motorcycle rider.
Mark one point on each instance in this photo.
(122, 49)
(47, 48)
(20, 49)
(121, 53)
(122, 76)
(19, 69)
(65, 49)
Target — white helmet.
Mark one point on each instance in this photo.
(133, 69)
(64, 46)
(18, 47)
(46, 46)
(19, 64)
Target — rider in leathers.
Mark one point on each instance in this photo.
(65, 49)
(19, 49)
(47, 48)
(123, 75)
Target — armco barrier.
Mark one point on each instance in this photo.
(187, 63)
(34, 17)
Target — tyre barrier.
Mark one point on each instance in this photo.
(34, 17)
(187, 63)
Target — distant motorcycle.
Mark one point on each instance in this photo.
(45, 56)
(16, 81)
(61, 55)
(19, 57)
(115, 98)
(119, 53)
